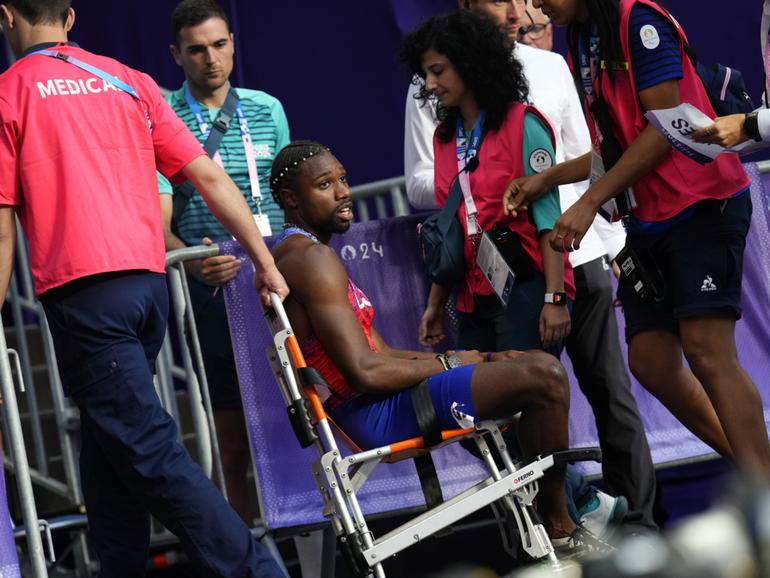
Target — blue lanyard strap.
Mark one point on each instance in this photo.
(107, 77)
(203, 123)
(222, 122)
(467, 148)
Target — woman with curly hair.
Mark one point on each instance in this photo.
(464, 61)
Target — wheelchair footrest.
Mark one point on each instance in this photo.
(578, 455)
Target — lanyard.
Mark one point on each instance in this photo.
(99, 73)
(467, 148)
(248, 145)
(589, 71)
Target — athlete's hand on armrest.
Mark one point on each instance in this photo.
(267, 280)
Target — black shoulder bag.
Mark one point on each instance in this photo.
(442, 239)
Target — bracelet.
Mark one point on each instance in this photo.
(488, 356)
(443, 361)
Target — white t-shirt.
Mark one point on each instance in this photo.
(764, 115)
(552, 91)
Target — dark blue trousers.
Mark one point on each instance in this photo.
(107, 331)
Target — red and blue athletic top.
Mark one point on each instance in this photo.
(315, 354)
(317, 358)
(78, 161)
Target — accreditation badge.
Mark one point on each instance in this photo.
(496, 271)
(263, 223)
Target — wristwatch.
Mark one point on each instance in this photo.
(556, 298)
(751, 126)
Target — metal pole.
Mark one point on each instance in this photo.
(202, 438)
(36, 427)
(203, 381)
(65, 414)
(21, 466)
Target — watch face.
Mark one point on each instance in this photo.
(559, 298)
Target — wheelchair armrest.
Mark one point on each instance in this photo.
(577, 455)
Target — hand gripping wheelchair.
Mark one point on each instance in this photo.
(510, 490)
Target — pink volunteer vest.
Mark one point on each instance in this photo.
(677, 182)
(500, 161)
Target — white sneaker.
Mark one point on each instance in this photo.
(580, 544)
(602, 513)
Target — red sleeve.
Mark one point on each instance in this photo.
(10, 183)
(175, 146)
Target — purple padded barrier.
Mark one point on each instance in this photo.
(382, 258)
(9, 561)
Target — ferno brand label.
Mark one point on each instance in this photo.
(523, 477)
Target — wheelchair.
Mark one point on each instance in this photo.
(510, 490)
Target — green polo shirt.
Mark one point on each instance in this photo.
(269, 132)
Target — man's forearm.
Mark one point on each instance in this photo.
(553, 266)
(172, 241)
(573, 171)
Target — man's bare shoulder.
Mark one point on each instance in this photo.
(309, 267)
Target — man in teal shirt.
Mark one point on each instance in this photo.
(203, 46)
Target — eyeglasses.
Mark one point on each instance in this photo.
(534, 31)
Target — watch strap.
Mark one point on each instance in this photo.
(751, 126)
(556, 298)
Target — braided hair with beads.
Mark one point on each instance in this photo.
(288, 164)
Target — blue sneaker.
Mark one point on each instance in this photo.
(602, 514)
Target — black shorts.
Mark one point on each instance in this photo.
(701, 266)
(217, 349)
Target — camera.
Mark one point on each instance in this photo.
(643, 274)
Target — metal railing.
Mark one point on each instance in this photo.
(380, 194)
(192, 367)
(18, 452)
